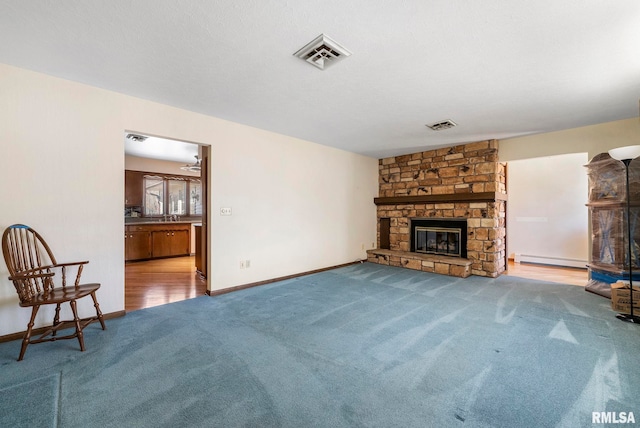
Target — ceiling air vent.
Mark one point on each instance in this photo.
(441, 126)
(322, 52)
(136, 137)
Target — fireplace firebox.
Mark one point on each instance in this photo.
(439, 236)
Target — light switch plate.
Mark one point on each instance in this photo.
(225, 211)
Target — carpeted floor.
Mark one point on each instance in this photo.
(361, 346)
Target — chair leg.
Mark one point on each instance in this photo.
(98, 311)
(76, 320)
(27, 334)
(56, 319)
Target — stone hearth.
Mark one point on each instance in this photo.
(444, 265)
(461, 182)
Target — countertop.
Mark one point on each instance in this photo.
(132, 221)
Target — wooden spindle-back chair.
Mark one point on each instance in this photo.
(40, 280)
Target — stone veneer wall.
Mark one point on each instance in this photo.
(466, 169)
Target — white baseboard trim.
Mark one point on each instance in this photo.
(555, 261)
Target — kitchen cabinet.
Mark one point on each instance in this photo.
(157, 240)
(137, 244)
(133, 189)
(168, 243)
(200, 260)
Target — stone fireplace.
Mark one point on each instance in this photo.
(451, 187)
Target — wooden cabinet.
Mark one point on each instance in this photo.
(133, 189)
(608, 261)
(150, 241)
(607, 205)
(137, 244)
(169, 243)
(200, 260)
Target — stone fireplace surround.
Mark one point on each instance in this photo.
(461, 182)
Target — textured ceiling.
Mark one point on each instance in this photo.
(496, 68)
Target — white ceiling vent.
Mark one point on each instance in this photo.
(322, 52)
(441, 126)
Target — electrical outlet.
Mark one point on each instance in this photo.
(362, 246)
(225, 211)
(242, 264)
(247, 264)
(373, 245)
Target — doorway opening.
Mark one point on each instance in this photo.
(165, 220)
(547, 220)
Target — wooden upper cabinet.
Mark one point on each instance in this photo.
(133, 191)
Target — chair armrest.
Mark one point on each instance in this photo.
(64, 271)
(71, 263)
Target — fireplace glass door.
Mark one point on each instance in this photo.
(436, 240)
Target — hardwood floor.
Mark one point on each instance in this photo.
(156, 282)
(565, 275)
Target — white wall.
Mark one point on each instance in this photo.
(547, 220)
(297, 206)
(594, 139)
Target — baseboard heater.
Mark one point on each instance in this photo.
(546, 260)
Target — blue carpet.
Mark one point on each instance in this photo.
(361, 346)
(33, 403)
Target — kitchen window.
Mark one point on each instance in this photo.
(153, 196)
(171, 196)
(195, 203)
(177, 190)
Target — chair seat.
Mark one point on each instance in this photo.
(61, 295)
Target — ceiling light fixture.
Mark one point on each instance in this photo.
(441, 126)
(193, 167)
(322, 52)
(136, 137)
